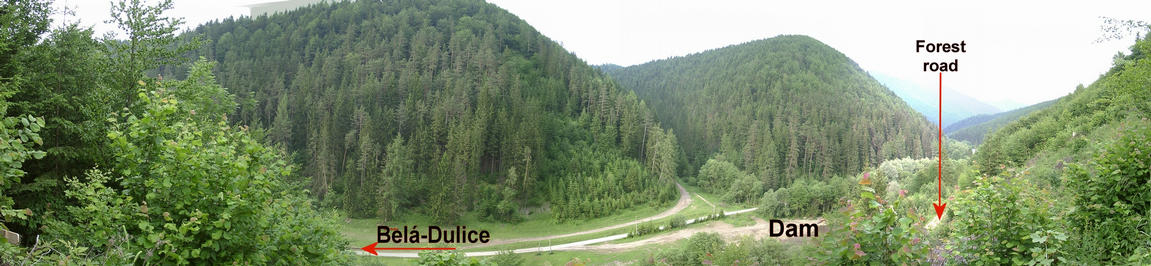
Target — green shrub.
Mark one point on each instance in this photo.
(194, 191)
(874, 233)
(717, 175)
(1112, 199)
(507, 258)
(804, 198)
(745, 189)
(448, 258)
(18, 136)
(899, 169)
(1002, 221)
(675, 222)
(702, 246)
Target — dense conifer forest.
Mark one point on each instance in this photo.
(287, 138)
(440, 108)
(783, 108)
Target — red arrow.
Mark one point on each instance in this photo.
(939, 207)
(372, 248)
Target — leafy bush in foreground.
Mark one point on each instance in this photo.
(1112, 199)
(189, 189)
(1003, 221)
(874, 232)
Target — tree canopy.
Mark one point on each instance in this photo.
(428, 106)
(784, 108)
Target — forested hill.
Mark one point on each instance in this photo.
(974, 128)
(1075, 126)
(785, 107)
(440, 108)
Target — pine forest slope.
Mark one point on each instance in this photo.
(440, 108)
(785, 107)
(974, 128)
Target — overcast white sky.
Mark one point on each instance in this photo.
(1019, 52)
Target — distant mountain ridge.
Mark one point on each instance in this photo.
(607, 67)
(956, 105)
(271, 8)
(970, 121)
(974, 128)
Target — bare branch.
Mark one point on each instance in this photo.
(1118, 29)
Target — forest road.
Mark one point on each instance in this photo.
(726, 230)
(680, 205)
(684, 201)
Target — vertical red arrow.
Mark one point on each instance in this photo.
(939, 207)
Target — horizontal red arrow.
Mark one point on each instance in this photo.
(372, 248)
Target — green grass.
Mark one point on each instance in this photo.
(1041, 169)
(740, 220)
(696, 209)
(592, 257)
(360, 232)
(542, 258)
(370, 260)
(715, 199)
(651, 235)
(558, 241)
(532, 244)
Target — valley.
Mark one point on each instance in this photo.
(465, 132)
